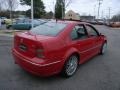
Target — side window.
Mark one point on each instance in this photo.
(91, 31)
(74, 34)
(78, 32)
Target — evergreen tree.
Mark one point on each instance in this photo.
(59, 9)
(38, 7)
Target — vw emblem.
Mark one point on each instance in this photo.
(21, 40)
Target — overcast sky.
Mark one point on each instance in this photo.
(85, 7)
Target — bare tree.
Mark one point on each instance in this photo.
(1, 5)
(67, 3)
(60, 8)
(12, 5)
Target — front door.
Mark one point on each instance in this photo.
(81, 42)
(93, 35)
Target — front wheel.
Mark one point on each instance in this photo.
(104, 48)
(70, 66)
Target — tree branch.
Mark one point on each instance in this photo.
(67, 3)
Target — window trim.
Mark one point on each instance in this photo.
(93, 29)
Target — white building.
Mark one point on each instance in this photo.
(72, 15)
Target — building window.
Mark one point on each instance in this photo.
(70, 15)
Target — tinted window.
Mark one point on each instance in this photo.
(78, 32)
(74, 34)
(91, 31)
(48, 29)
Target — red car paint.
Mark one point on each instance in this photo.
(55, 50)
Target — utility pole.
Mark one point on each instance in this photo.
(94, 11)
(63, 7)
(99, 4)
(102, 14)
(53, 9)
(32, 14)
(109, 14)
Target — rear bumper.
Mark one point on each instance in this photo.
(37, 66)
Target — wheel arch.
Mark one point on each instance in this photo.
(71, 52)
(76, 54)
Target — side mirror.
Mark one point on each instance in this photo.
(100, 34)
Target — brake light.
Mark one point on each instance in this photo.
(40, 53)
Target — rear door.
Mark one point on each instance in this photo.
(81, 42)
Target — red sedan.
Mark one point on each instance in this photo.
(57, 47)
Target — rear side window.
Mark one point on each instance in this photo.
(48, 29)
(79, 32)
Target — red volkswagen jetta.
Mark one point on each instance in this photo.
(55, 47)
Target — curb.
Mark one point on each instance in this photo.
(6, 35)
(115, 28)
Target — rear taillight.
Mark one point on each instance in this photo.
(40, 53)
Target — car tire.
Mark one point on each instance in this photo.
(8, 27)
(29, 28)
(70, 66)
(103, 48)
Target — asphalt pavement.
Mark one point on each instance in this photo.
(100, 73)
(3, 27)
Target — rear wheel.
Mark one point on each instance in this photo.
(10, 28)
(104, 48)
(29, 27)
(70, 66)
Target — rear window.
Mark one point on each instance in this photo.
(48, 29)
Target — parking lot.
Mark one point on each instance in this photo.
(100, 73)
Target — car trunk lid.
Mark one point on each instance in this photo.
(26, 44)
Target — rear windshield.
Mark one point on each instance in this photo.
(48, 29)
